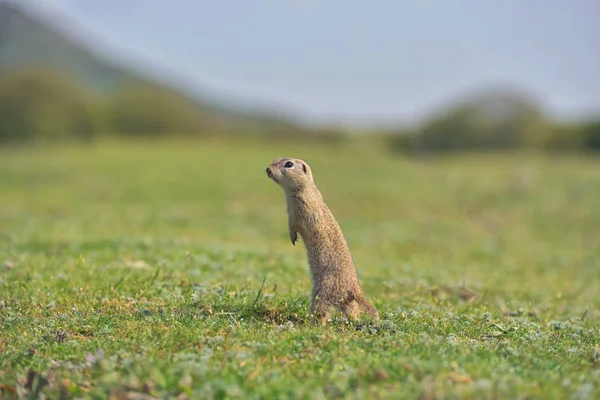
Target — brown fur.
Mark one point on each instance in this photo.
(335, 283)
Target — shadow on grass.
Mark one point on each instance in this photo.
(254, 307)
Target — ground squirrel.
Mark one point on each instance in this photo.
(335, 283)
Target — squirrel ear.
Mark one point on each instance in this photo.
(304, 168)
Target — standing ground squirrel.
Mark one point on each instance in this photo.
(335, 283)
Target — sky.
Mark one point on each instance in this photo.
(372, 61)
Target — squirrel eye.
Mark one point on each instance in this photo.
(289, 164)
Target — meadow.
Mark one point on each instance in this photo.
(164, 270)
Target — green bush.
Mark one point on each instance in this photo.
(591, 136)
(44, 105)
(494, 120)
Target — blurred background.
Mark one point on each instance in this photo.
(425, 77)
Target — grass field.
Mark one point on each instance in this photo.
(166, 269)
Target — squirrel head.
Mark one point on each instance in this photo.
(292, 174)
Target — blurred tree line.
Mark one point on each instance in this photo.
(497, 120)
(48, 105)
(44, 105)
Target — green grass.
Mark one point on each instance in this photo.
(167, 269)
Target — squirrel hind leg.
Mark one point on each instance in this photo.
(350, 309)
(366, 307)
(320, 311)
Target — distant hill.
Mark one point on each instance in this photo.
(27, 40)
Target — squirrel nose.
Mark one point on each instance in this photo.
(268, 171)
